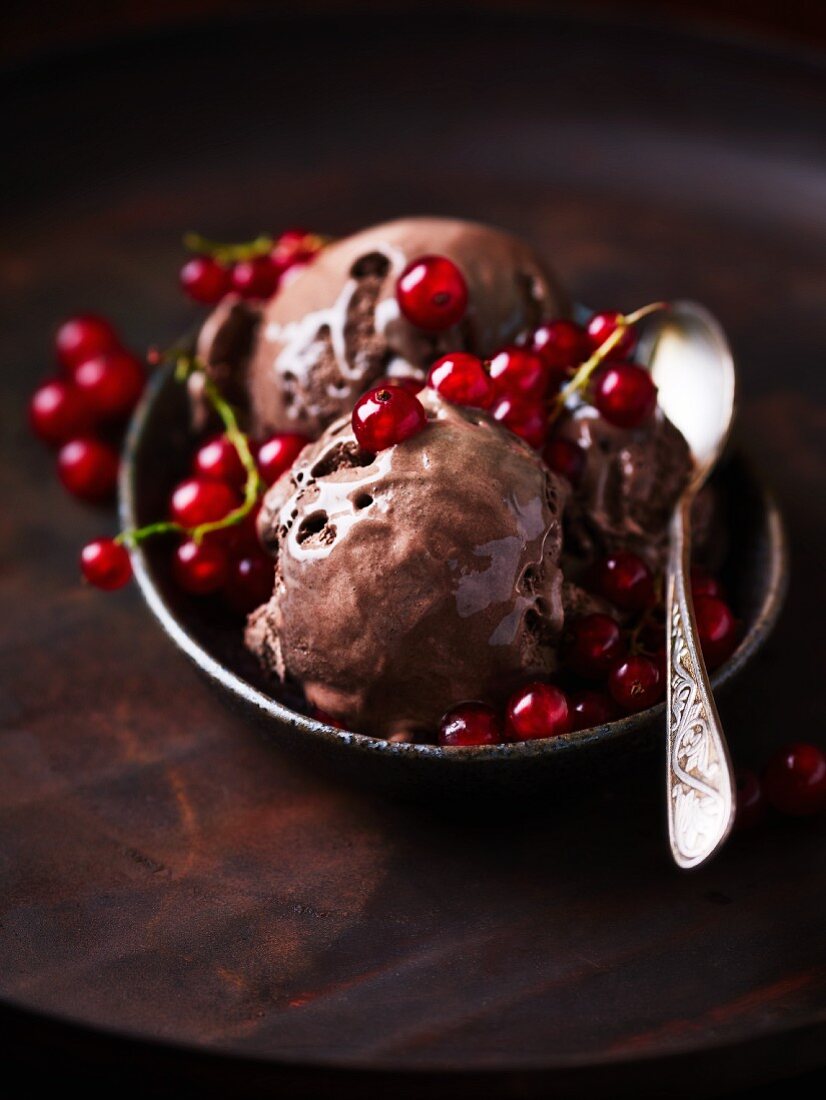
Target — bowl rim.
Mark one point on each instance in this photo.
(269, 707)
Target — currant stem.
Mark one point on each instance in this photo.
(229, 253)
(185, 367)
(584, 372)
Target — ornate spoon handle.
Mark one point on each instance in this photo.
(700, 785)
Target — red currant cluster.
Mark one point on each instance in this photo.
(254, 270)
(613, 664)
(213, 513)
(525, 387)
(82, 411)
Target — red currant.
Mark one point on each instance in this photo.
(112, 383)
(250, 583)
(462, 379)
(105, 564)
(200, 568)
(562, 345)
(88, 468)
(566, 458)
(327, 719)
(717, 628)
(432, 293)
(595, 644)
(624, 580)
(519, 372)
(197, 501)
(278, 454)
(624, 394)
(537, 710)
(256, 278)
(751, 804)
(527, 419)
(590, 708)
(58, 411)
(795, 779)
(82, 337)
(603, 325)
(470, 724)
(218, 460)
(292, 249)
(386, 416)
(205, 280)
(704, 584)
(636, 683)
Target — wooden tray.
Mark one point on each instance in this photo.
(179, 900)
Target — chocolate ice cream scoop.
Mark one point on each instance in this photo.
(413, 579)
(631, 480)
(326, 337)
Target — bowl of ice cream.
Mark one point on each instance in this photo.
(450, 567)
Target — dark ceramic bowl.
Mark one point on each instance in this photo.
(158, 453)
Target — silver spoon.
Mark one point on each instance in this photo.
(691, 363)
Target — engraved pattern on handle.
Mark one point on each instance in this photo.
(700, 783)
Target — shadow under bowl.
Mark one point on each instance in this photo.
(158, 454)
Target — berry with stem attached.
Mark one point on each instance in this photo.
(624, 394)
(105, 564)
(562, 345)
(218, 460)
(604, 325)
(205, 280)
(256, 278)
(197, 501)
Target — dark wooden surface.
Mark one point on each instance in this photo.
(164, 876)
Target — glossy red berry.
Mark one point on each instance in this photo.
(256, 278)
(590, 708)
(562, 345)
(205, 280)
(519, 372)
(594, 645)
(112, 384)
(386, 416)
(470, 724)
(537, 710)
(624, 394)
(250, 582)
(462, 379)
(432, 293)
(795, 779)
(294, 248)
(88, 468)
(218, 460)
(197, 501)
(105, 564)
(80, 338)
(565, 458)
(717, 628)
(636, 683)
(527, 419)
(58, 411)
(751, 802)
(704, 584)
(200, 568)
(624, 580)
(278, 453)
(603, 325)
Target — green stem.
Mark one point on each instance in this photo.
(225, 253)
(185, 367)
(583, 375)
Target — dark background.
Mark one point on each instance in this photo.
(122, 128)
